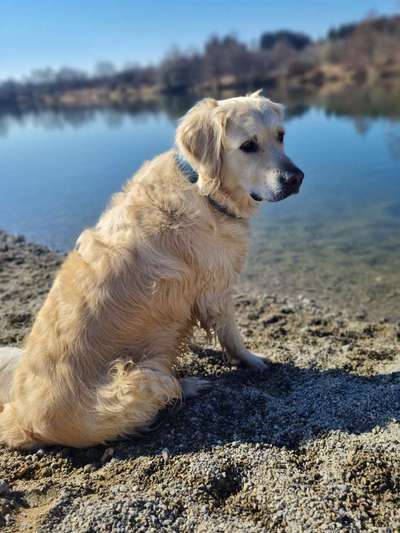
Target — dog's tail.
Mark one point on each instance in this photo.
(9, 359)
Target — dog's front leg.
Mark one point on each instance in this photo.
(231, 340)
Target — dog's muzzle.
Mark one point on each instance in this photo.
(289, 182)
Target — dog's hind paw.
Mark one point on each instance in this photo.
(193, 386)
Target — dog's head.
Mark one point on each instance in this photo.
(238, 145)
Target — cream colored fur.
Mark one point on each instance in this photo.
(99, 360)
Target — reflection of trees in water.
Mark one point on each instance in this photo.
(49, 119)
(4, 126)
(392, 139)
(113, 118)
(296, 110)
(58, 119)
(362, 104)
(362, 125)
(174, 106)
(358, 103)
(14, 116)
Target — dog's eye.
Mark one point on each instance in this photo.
(249, 147)
(280, 136)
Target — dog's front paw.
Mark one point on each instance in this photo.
(256, 361)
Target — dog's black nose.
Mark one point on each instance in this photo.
(296, 177)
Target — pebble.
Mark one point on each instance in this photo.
(165, 454)
(4, 488)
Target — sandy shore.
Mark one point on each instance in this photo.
(312, 444)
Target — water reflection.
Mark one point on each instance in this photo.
(393, 143)
(362, 104)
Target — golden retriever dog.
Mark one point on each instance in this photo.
(164, 257)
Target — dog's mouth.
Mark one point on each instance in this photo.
(256, 197)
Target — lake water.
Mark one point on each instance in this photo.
(337, 242)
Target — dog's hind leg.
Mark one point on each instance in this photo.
(126, 402)
(193, 386)
(131, 399)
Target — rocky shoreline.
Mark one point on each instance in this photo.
(312, 444)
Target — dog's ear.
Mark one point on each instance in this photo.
(200, 137)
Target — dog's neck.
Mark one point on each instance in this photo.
(218, 200)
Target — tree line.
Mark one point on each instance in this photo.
(224, 62)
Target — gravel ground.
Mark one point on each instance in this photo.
(311, 444)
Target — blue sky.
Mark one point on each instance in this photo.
(39, 33)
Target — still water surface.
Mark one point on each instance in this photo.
(338, 241)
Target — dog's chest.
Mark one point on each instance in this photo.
(222, 256)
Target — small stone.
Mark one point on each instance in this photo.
(4, 488)
(165, 454)
(361, 315)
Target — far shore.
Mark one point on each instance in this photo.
(322, 82)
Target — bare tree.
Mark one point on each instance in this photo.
(105, 69)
